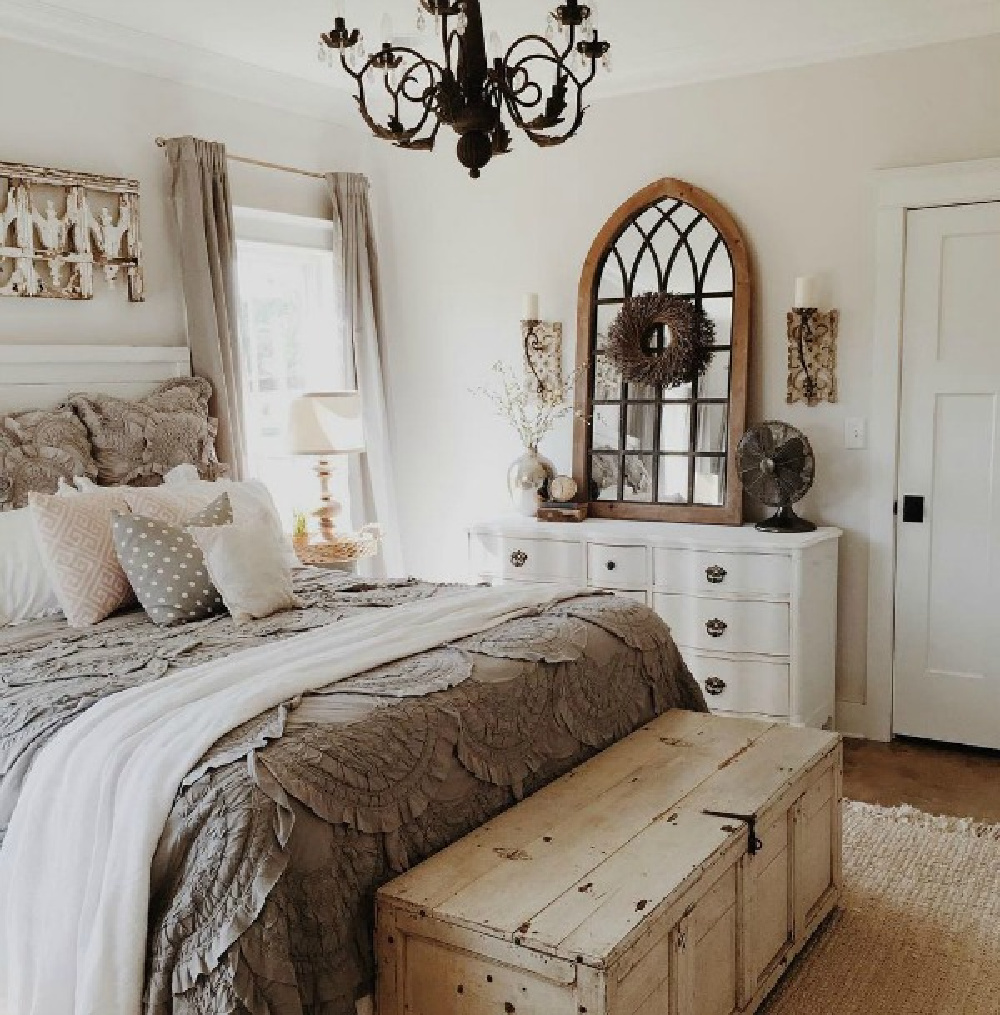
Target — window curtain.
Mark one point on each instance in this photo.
(199, 190)
(370, 474)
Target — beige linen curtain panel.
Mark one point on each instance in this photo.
(372, 495)
(199, 189)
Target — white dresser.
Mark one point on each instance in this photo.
(754, 613)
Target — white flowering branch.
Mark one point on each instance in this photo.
(532, 418)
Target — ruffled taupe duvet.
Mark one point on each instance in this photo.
(263, 885)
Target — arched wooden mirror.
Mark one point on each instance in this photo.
(664, 454)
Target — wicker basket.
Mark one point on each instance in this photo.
(342, 549)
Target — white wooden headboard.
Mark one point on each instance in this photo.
(42, 376)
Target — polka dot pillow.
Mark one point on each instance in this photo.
(165, 566)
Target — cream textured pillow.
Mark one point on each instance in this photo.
(74, 536)
(174, 503)
(248, 567)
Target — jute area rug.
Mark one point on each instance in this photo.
(919, 928)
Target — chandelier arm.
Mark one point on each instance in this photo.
(404, 135)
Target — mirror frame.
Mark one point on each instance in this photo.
(731, 511)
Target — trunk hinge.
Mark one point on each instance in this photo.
(754, 845)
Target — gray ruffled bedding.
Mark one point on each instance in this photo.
(263, 886)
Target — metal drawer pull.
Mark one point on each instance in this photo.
(716, 575)
(519, 558)
(716, 628)
(611, 565)
(715, 685)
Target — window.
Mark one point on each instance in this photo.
(292, 342)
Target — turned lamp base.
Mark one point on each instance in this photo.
(331, 509)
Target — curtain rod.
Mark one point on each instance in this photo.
(162, 143)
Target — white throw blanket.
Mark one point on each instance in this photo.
(75, 865)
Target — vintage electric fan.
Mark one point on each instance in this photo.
(777, 466)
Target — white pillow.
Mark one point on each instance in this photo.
(248, 567)
(26, 592)
(175, 502)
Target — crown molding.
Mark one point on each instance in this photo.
(104, 42)
(664, 75)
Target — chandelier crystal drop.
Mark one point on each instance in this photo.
(538, 82)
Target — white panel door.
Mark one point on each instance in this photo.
(947, 664)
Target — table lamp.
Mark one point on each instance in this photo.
(321, 426)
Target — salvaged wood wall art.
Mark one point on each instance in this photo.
(812, 356)
(57, 226)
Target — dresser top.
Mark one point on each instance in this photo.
(711, 537)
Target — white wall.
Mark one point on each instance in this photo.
(75, 114)
(791, 153)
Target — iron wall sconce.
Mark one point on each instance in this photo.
(812, 347)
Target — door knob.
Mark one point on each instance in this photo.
(913, 509)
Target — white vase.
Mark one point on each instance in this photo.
(528, 481)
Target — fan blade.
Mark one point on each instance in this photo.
(791, 453)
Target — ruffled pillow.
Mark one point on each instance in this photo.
(39, 448)
(136, 442)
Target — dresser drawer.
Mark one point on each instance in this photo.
(618, 567)
(516, 559)
(711, 572)
(726, 625)
(741, 685)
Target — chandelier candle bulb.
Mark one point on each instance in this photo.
(530, 310)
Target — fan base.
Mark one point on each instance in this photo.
(785, 520)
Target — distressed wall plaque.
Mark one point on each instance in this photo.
(812, 356)
(57, 227)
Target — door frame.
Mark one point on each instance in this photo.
(898, 191)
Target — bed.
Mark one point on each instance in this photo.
(262, 885)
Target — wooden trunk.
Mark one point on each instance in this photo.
(614, 891)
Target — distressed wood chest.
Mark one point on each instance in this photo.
(676, 873)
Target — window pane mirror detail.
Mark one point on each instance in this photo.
(664, 453)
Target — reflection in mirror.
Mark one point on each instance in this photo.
(673, 485)
(709, 481)
(642, 427)
(604, 477)
(607, 381)
(678, 394)
(639, 478)
(675, 428)
(712, 423)
(720, 310)
(715, 383)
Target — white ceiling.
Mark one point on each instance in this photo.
(266, 50)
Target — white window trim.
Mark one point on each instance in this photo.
(259, 226)
(899, 191)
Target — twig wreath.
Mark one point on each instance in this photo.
(687, 356)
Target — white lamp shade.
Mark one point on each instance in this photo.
(326, 424)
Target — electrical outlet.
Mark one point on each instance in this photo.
(856, 433)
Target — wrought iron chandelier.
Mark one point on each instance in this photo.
(539, 80)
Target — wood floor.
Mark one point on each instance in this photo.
(959, 781)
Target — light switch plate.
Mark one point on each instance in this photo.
(856, 433)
